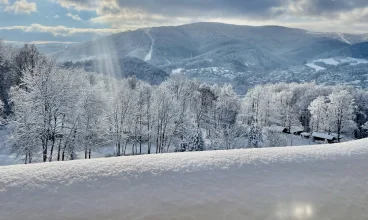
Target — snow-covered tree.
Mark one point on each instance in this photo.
(62, 113)
(284, 105)
(319, 114)
(165, 116)
(341, 112)
(274, 138)
(93, 129)
(254, 136)
(196, 142)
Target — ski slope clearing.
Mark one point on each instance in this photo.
(311, 182)
(341, 35)
(335, 61)
(149, 54)
(315, 67)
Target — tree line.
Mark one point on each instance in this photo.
(58, 113)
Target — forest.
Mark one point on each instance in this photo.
(55, 112)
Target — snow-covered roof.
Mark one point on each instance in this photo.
(277, 128)
(193, 185)
(306, 134)
(294, 129)
(323, 135)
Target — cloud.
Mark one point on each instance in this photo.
(60, 30)
(252, 8)
(56, 16)
(22, 6)
(325, 7)
(80, 4)
(5, 2)
(74, 17)
(39, 42)
(128, 14)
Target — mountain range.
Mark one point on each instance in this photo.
(223, 48)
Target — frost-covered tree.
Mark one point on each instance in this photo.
(361, 113)
(284, 105)
(254, 136)
(8, 75)
(121, 103)
(226, 114)
(62, 114)
(46, 103)
(93, 128)
(196, 142)
(274, 138)
(319, 115)
(165, 116)
(341, 112)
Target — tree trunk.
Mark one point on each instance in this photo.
(63, 156)
(125, 146)
(59, 150)
(118, 149)
(140, 144)
(44, 152)
(52, 149)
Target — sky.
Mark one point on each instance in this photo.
(40, 21)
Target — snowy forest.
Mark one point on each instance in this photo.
(55, 113)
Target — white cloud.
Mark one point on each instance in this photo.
(22, 6)
(39, 42)
(128, 14)
(74, 17)
(56, 16)
(81, 4)
(5, 2)
(60, 30)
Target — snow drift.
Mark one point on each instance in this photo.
(313, 182)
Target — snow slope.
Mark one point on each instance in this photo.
(311, 182)
(315, 67)
(341, 35)
(335, 61)
(149, 54)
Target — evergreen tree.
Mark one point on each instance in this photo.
(254, 136)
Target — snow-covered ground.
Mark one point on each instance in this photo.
(315, 67)
(7, 158)
(310, 182)
(335, 61)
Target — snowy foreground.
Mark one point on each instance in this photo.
(312, 182)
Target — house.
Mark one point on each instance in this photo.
(319, 136)
(279, 129)
(296, 130)
(305, 134)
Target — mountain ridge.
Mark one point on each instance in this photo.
(221, 53)
(251, 47)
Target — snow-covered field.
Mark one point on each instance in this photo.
(335, 61)
(315, 67)
(310, 182)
